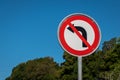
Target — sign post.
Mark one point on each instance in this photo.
(79, 35)
(79, 68)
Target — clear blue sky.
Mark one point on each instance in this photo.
(28, 28)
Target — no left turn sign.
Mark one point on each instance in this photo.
(79, 34)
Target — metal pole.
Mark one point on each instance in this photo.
(79, 68)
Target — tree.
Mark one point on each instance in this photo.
(101, 65)
(69, 67)
(38, 69)
(107, 45)
(111, 61)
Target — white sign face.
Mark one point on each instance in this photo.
(73, 40)
(79, 35)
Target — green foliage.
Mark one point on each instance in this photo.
(101, 65)
(107, 45)
(38, 69)
(69, 68)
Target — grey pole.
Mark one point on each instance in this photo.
(79, 68)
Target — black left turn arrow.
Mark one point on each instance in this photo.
(82, 30)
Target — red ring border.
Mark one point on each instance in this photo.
(89, 20)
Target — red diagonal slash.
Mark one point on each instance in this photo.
(79, 35)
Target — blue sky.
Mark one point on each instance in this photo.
(28, 28)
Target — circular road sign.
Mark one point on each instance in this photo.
(79, 34)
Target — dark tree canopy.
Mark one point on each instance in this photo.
(101, 65)
(38, 69)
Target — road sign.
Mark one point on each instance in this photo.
(79, 34)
